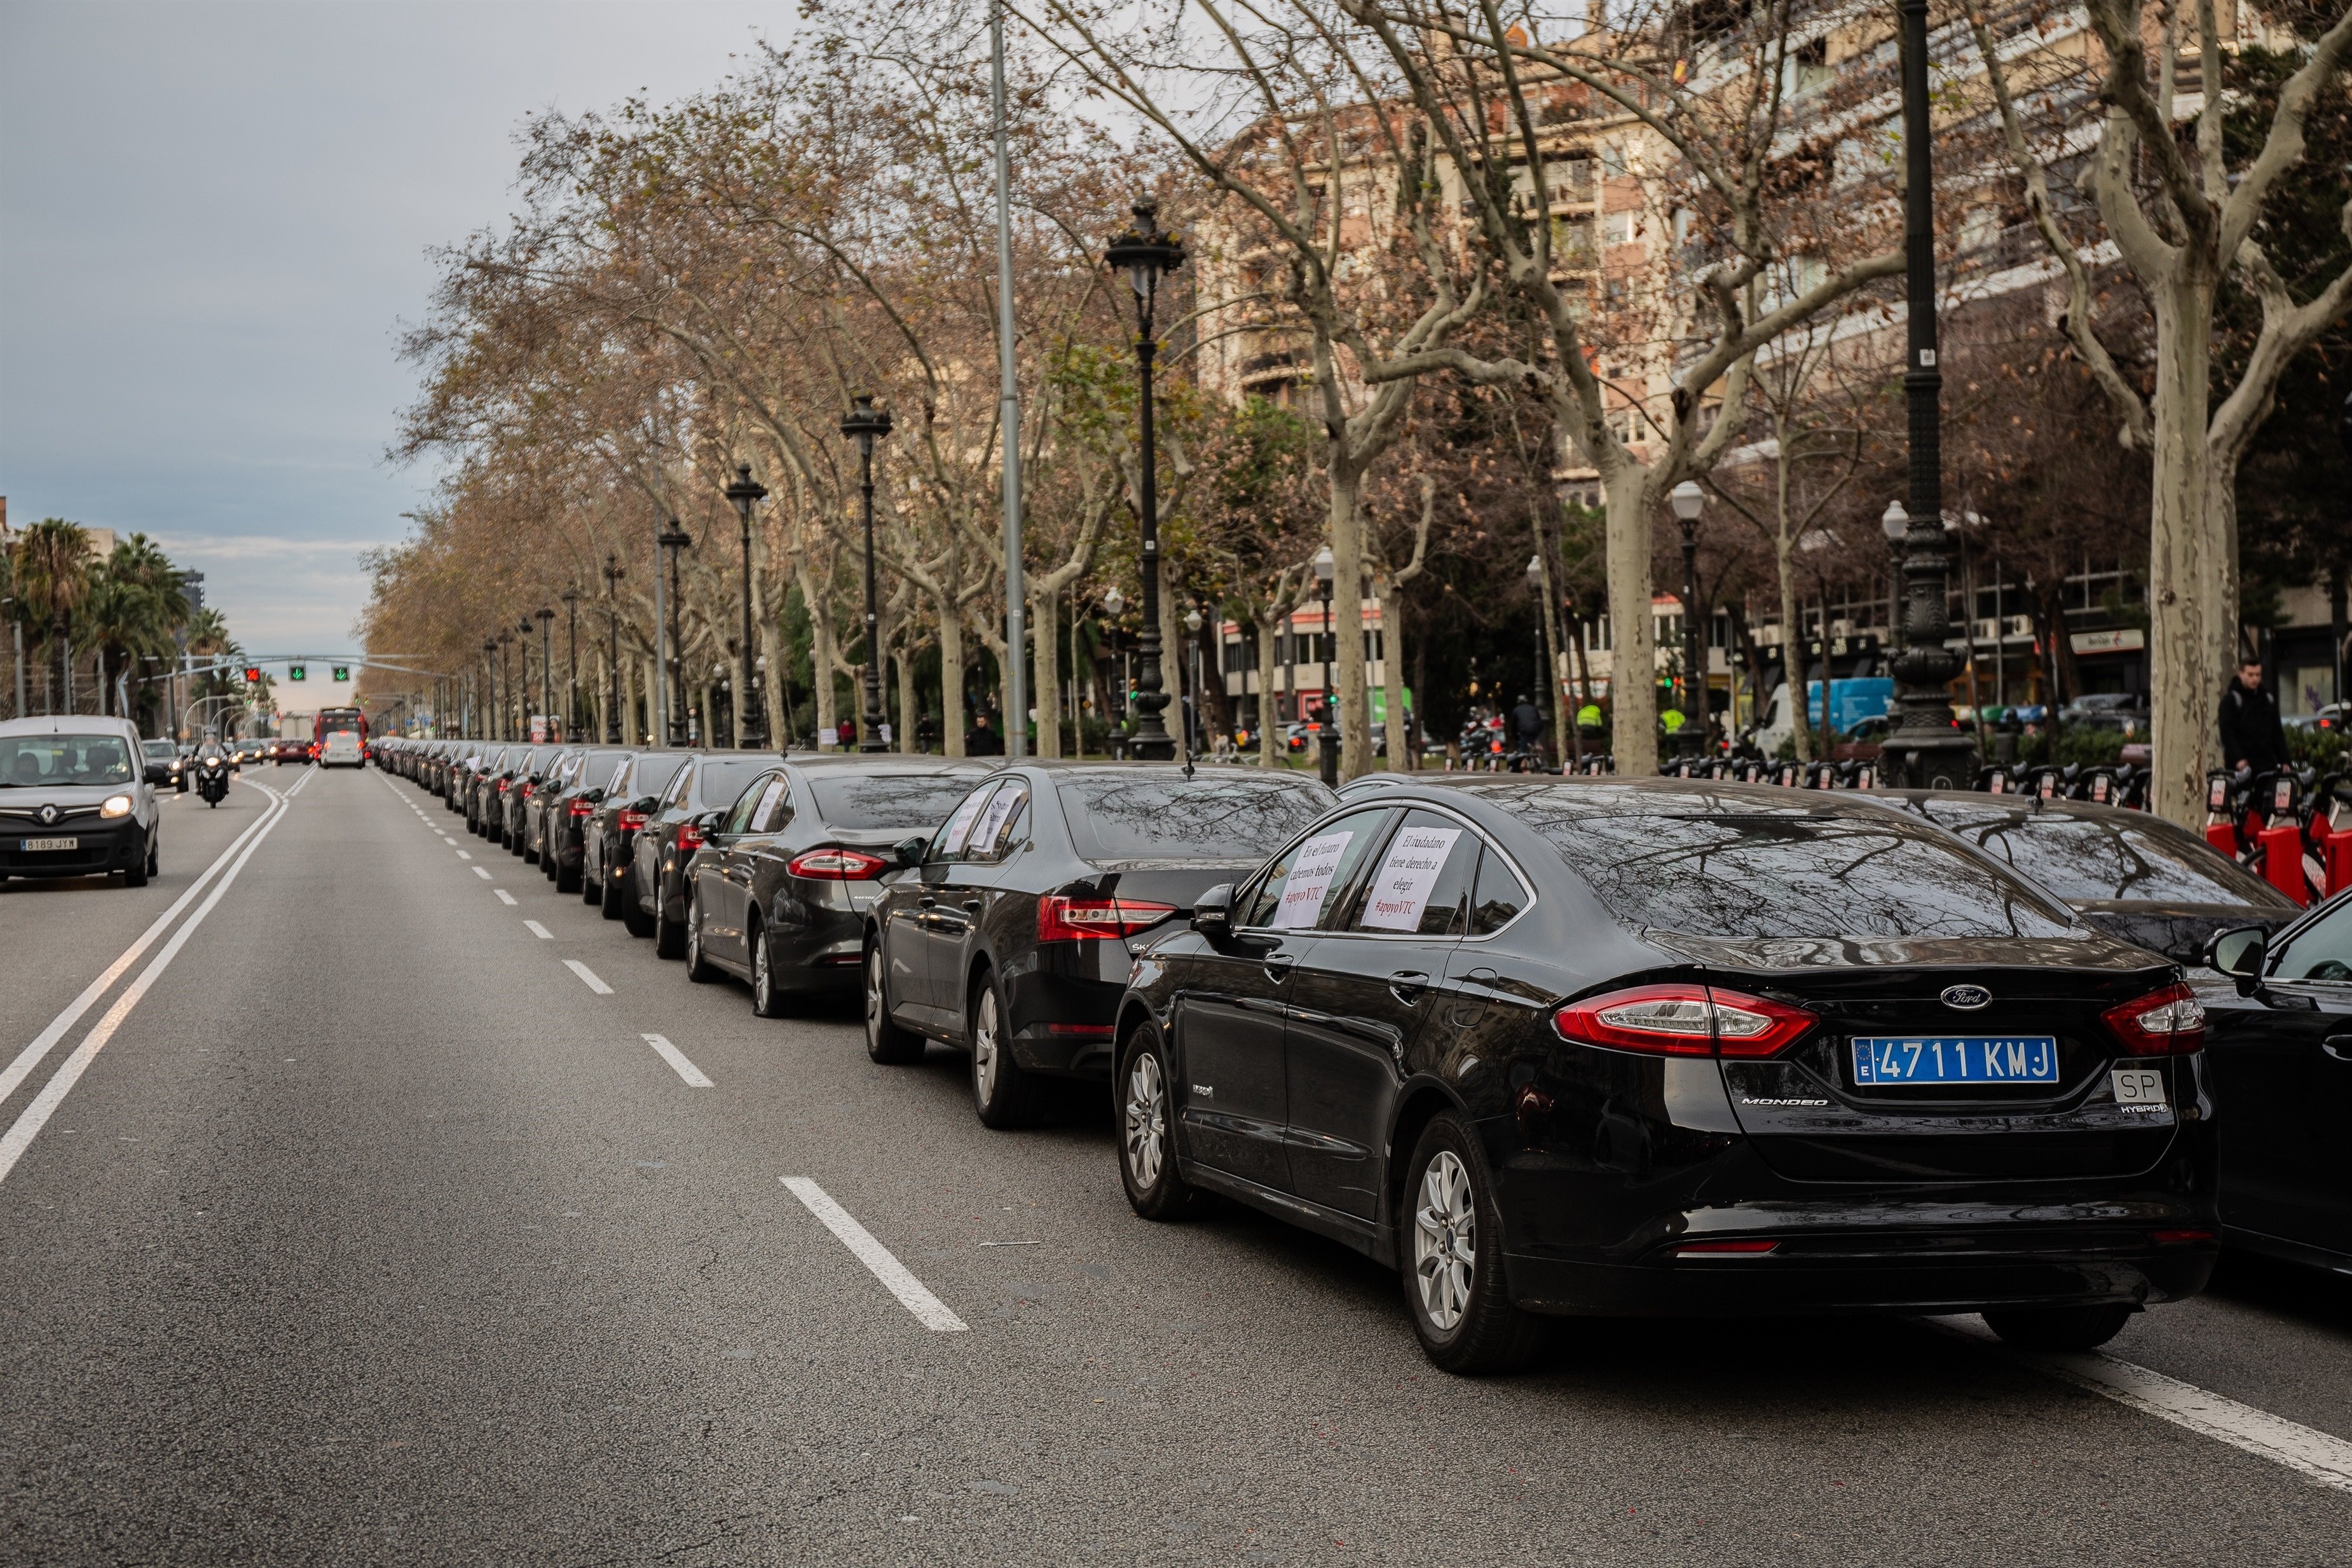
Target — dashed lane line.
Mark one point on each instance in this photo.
(504, 896)
(693, 1076)
(541, 932)
(928, 1310)
(483, 872)
(588, 976)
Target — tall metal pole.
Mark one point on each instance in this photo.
(1016, 674)
(1695, 698)
(869, 737)
(1329, 758)
(613, 574)
(751, 735)
(1927, 749)
(546, 668)
(658, 722)
(674, 540)
(572, 668)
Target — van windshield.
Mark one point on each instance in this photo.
(30, 761)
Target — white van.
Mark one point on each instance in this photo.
(341, 750)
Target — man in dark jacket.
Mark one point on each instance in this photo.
(981, 739)
(2252, 735)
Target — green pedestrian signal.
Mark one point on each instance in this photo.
(293, 671)
(342, 672)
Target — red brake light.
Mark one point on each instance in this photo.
(1684, 1019)
(689, 838)
(1062, 918)
(632, 820)
(583, 809)
(837, 865)
(2169, 1022)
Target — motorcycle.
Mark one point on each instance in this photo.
(212, 781)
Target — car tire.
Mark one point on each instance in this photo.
(1001, 1092)
(567, 878)
(1145, 1104)
(886, 1042)
(1461, 1307)
(2058, 1328)
(155, 857)
(633, 914)
(769, 1000)
(618, 904)
(136, 876)
(697, 965)
(670, 940)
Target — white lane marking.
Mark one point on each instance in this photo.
(928, 1310)
(541, 932)
(463, 856)
(504, 896)
(19, 1136)
(483, 872)
(588, 975)
(30, 1057)
(693, 1076)
(2318, 1455)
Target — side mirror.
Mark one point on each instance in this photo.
(1212, 911)
(910, 851)
(2238, 954)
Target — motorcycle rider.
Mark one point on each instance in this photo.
(212, 770)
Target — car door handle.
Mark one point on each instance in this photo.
(2338, 1046)
(926, 902)
(1407, 985)
(1277, 969)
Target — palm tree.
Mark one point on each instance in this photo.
(51, 567)
(136, 606)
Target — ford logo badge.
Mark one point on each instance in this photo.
(1965, 996)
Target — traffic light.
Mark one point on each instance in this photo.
(253, 674)
(342, 672)
(293, 671)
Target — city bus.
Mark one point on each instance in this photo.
(339, 738)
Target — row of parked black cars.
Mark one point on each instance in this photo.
(1549, 1047)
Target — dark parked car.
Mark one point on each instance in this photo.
(1014, 936)
(2280, 1043)
(1675, 1047)
(710, 782)
(2131, 874)
(782, 890)
(538, 763)
(569, 807)
(610, 839)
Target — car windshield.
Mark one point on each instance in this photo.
(161, 750)
(2142, 859)
(29, 761)
(1213, 816)
(1728, 868)
(720, 779)
(915, 801)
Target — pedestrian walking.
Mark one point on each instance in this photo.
(981, 739)
(2252, 735)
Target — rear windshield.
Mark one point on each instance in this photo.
(161, 749)
(1213, 816)
(599, 765)
(29, 761)
(720, 782)
(915, 801)
(652, 774)
(2083, 859)
(1740, 873)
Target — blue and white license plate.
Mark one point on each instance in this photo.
(1954, 1059)
(34, 846)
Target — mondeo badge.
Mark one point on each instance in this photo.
(1965, 996)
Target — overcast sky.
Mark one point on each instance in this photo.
(213, 220)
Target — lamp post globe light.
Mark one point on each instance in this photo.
(1146, 253)
(743, 491)
(1688, 500)
(545, 616)
(866, 425)
(1896, 524)
(613, 572)
(571, 597)
(672, 540)
(1327, 750)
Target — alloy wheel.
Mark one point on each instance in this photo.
(984, 1047)
(1445, 1240)
(762, 984)
(1145, 1119)
(872, 994)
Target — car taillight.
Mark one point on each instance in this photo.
(837, 865)
(502, 785)
(632, 820)
(2169, 1022)
(583, 808)
(1062, 918)
(1684, 1019)
(689, 838)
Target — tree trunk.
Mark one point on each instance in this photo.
(1391, 608)
(1172, 670)
(1269, 725)
(1347, 629)
(2189, 629)
(951, 657)
(1633, 659)
(1044, 670)
(905, 732)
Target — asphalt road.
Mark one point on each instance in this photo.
(375, 1234)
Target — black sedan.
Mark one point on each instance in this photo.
(2131, 874)
(710, 782)
(610, 839)
(781, 892)
(1013, 938)
(564, 848)
(1675, 1047)
(2281, 1048)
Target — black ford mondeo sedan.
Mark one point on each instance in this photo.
(1675, 1047)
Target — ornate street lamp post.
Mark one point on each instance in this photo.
(491, 706)
(546, 617)
(1145, 253)
(1195, 721)
(613, 572)
(673, 539)
(1325, 568)
(571, 597)
(507, 684)
(1545, 695)
(866, 425)
(744, 491)
(1687, 500)
(1927, 749)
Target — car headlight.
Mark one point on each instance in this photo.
(116, 806)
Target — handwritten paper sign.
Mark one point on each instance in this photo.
(1409, 874)
(1310, 880)
(1001, 808)
(960, 825)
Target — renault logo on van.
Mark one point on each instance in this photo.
(49, 816)
(1965, 996)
